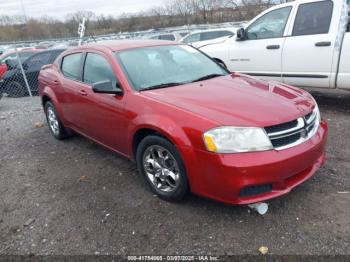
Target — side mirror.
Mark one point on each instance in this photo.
(241, 34)
(106, 87)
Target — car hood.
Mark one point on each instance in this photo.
(238, 100)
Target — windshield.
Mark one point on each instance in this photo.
(165, 66)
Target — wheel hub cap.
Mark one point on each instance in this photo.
(53, 122)
(161, 168)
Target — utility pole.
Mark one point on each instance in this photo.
(81, 31)
(24, 12)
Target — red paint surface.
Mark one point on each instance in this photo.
(182, 114)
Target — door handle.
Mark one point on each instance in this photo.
(271, 47)
(83, 92)
(320, 44)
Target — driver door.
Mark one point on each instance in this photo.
(260, 54)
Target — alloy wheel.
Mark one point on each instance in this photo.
(161, 168)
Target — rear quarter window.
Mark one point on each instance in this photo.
(71, 65)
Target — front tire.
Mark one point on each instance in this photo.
(55, 124)
(162, 167)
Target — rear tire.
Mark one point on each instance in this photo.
(162, 167)
(55, 124)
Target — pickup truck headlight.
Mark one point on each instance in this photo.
(237, 140)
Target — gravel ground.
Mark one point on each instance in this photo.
(75, 197)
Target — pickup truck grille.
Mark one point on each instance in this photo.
(293, 133)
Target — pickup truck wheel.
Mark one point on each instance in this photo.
(55, 125)
(162, 167)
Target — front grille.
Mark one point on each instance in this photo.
(292, 133)
(284, 141)
(281, 127)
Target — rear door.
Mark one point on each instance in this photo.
(261, 53)
(72, 98)
(310, 55)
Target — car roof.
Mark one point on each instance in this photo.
(44, 52)
(120, 45)
(11, 52)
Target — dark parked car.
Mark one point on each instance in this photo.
(13, 82)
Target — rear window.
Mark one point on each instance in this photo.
(71, 66)
(313, 18)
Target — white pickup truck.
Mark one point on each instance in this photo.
(305, 43)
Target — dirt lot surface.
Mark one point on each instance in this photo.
(75, 197)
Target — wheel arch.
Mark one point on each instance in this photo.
(145, 131)
(48, 95)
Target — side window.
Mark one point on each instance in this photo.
(167, 37)
(214, 35)
(54, 55)
(192, 38)
(270, 25)
(313, 18)
(209, 35)
(36, 62)
(97, 69)
(226, 33)
(71, 66)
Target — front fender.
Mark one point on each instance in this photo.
(161, 124)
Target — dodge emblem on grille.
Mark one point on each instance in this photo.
(303, 133)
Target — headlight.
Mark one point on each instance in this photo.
(317, 118)
(318, 113)
(236, 140)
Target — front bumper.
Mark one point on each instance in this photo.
(238, 178)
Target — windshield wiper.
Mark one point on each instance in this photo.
(165, 85)
(207, 77)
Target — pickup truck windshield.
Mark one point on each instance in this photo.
(166, 66)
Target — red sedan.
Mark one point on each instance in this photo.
(189, 124)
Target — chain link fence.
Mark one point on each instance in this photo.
(20, 68)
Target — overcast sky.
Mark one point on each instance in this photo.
(60, 8)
